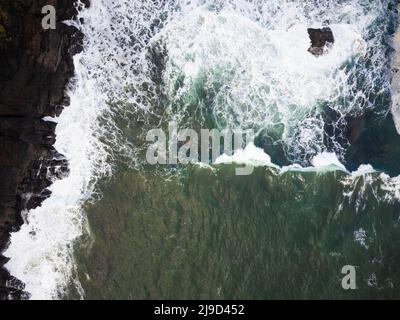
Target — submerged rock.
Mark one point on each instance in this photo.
(321, 40)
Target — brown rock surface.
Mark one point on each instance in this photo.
(321, 40)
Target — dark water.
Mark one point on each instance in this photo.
(206, 234)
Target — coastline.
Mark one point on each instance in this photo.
(34, 88)
(396, 74)
(37, 66)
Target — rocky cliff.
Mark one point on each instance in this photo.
(35, 67)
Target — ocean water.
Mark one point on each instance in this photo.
(325, 188)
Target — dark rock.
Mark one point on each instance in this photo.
(321, 40)
(36, 65)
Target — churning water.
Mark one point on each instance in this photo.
(119, 228)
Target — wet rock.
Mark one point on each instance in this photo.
(395, 42)
(321, 40)
(36, 65)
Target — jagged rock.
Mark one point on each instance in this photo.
(321, 40)
(36, 66)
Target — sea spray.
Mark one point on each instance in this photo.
(224, 64)
(42, 251)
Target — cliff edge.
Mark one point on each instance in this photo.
(396, 74)
(35, 67)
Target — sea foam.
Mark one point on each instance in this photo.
(254, 53)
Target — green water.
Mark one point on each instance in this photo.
(198, 232)
(210, 234)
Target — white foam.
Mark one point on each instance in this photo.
(252, 155)
(325, 160)
(49, 119)
(391, 187)
(269, 80)
(42, 251)
(364, 169)
(358, 185)
(360, 236)
(249, 155)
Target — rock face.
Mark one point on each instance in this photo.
(35, 67)
(396, 75)
(321, 40)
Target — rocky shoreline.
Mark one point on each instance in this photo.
(396, 74)
(36, 65)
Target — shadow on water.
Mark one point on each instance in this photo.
(377, 144)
